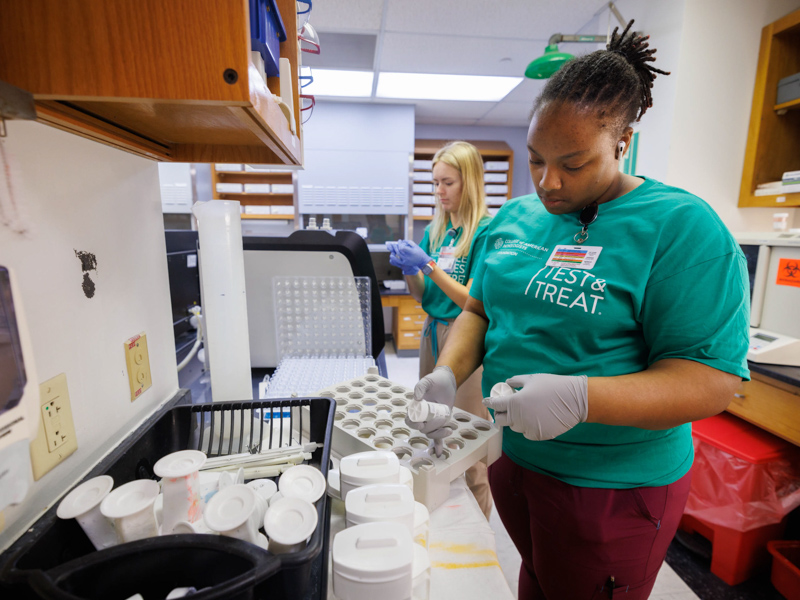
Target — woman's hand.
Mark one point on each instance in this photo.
(411, 254)
(395, 260)
(545, 407)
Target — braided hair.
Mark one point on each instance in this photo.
(616, 81)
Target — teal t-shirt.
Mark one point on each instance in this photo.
(669, 282)
(434, 301)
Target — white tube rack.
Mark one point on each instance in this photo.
(370, 415)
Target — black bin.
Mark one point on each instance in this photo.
(56, 561)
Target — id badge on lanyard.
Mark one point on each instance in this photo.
(447, 258)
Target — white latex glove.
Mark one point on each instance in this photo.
(439, 386)
(546, 406)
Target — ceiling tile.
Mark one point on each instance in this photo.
(510, 111)
(343, 51)
(424, 53)
(347, 16)
(520, 19)
(526, 91)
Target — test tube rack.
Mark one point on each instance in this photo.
(370, 415)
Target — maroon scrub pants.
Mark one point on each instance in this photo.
(582, 543)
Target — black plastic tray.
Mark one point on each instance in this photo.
(56, 561)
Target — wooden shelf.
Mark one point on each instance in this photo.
(253, 177)
(489, 150)
(423, 218)
(253, 199)
(773, 140)
(791, 105)
(169, 81)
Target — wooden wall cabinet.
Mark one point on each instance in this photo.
(167, 80)
(773, 140)
(424, 150)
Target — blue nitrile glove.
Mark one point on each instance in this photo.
(545, 407)
(395, 260)
(411, 254)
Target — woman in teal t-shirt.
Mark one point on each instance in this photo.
(439, 272)
(609, 312)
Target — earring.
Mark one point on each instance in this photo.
(620, 150)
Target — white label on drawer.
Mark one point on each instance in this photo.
(409, 335)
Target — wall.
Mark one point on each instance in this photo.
(79, 195)
(357, 159)
(663, 21)
(716, 74)
(516, 137)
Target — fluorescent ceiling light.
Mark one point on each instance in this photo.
(330, 82)
(429, 86)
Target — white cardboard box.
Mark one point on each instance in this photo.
(227, 167)
(423, 164)
(282, 188)
(229, 188)
(423, 188)
(282, 210)
(495, 188)
(423, 211)
(495, 165)
(495, 177)
(257, 188)
(256, 210)
(423, 176)
(424, 199)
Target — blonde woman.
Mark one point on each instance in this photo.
(439, 273)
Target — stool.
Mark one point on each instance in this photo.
(736, 555)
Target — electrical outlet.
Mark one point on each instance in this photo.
(138, 361)
(55, 439)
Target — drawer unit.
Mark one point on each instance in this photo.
(407, 340)
(407, 323)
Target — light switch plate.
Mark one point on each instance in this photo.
(138, 362)
(55, 438)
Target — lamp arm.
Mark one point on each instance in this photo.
(617, 14)
(594, 39)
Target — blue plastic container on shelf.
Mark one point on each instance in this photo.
(266, 33)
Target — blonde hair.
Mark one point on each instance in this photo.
(465, 158)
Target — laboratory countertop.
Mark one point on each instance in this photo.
(789, 375)
(461, 548)
(387, 292)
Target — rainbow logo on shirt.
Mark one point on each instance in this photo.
(569, 255)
